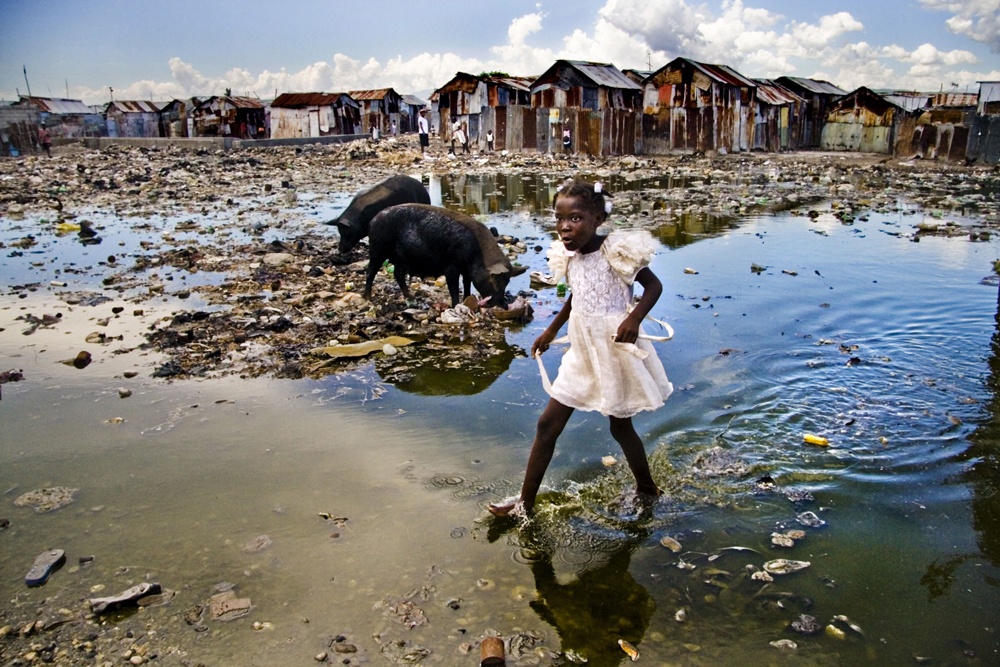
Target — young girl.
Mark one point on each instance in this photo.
(608, 368)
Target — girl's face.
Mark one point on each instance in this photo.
(577, 224)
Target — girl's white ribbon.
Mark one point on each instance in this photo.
(630, 348)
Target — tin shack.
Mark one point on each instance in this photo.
(698, 107)
(984, 140)
(379, 108)
(133, 118)
(818, 96)
(862, 121)
(295, 115)
(599, 106)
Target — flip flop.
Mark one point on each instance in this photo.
(45, 564)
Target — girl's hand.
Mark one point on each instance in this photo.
(542, 343)
(628, 330)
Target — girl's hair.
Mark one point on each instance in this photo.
(593, 196)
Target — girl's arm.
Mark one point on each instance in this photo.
(542, 342)
(628, 330)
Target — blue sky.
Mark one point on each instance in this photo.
(163, 50)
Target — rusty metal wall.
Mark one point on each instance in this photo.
(984, 140)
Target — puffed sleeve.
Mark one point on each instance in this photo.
(629, 252)
(558, 258)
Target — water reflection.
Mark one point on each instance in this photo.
(983, 476)
(458, 371)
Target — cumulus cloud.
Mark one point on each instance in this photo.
(978, 20)
(638, 34)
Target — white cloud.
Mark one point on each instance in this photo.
(978, 20)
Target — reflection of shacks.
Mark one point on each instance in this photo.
(132, 118)
(939, 126)
(66, 119)
(177, 117)
(243, 115)
(378, 108)
(819, 95)
(861, 121)
(692, 106)
(779, 110)
(600, 106)
(314, 115)
(984, 141)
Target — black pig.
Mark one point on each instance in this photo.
(354, 221)
(429, 241)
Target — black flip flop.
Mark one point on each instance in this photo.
(45, 564)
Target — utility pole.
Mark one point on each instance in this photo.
(26, 80)
(112, 91)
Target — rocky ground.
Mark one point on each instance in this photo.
(283, 302)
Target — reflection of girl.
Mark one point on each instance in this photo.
(595, 609)
(607, 368)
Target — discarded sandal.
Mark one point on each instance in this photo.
(46, 563)
(100, 605)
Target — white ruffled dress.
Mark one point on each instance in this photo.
(596, 373)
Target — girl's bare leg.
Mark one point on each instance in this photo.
(550, 425)
(635, 454)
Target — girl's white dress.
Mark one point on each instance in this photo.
(597, 373)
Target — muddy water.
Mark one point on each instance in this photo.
(883, 345)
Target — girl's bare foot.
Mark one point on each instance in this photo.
(502, 509)
(653, 491)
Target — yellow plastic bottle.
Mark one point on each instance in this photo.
(817, 440)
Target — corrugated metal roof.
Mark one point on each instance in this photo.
(56, 105)
(814, 85)
(906, 100)
(723, 74)
(299, 100)
(772, 92)
(604, 74)
(515, 82)
(134, 106)
(462, 82)
(413, 101)
(376, 94)
(955, 100)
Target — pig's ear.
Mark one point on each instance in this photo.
(517, 270)
(340, 225)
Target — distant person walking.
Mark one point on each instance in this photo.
(392, 128)
(567, 141)
(422, 131)
(489, 140)
(45, 139)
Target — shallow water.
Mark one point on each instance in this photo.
(907, 488)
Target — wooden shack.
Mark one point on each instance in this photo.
(295, 115)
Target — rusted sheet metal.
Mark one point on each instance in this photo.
(594, 86)
(811, 86)
(300, 100)
(132, 106)
(955, 100)
(56, 105)
(819, 95)
(861, 121)
(989, 98)
(778, 111)
(711, 107)
(984, 139)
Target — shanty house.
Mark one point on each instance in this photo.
(66, 119)
(379, 108)
(819, 95)
(940, 129)
(177, 117)
(862, 121)
(696, 107)
(596, 102)
(132, 118)
(482, 103)
(984, 141)
(296, 115)
(409, 112)
(778, 112)
(228, 115)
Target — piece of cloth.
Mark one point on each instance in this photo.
(596, 373)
